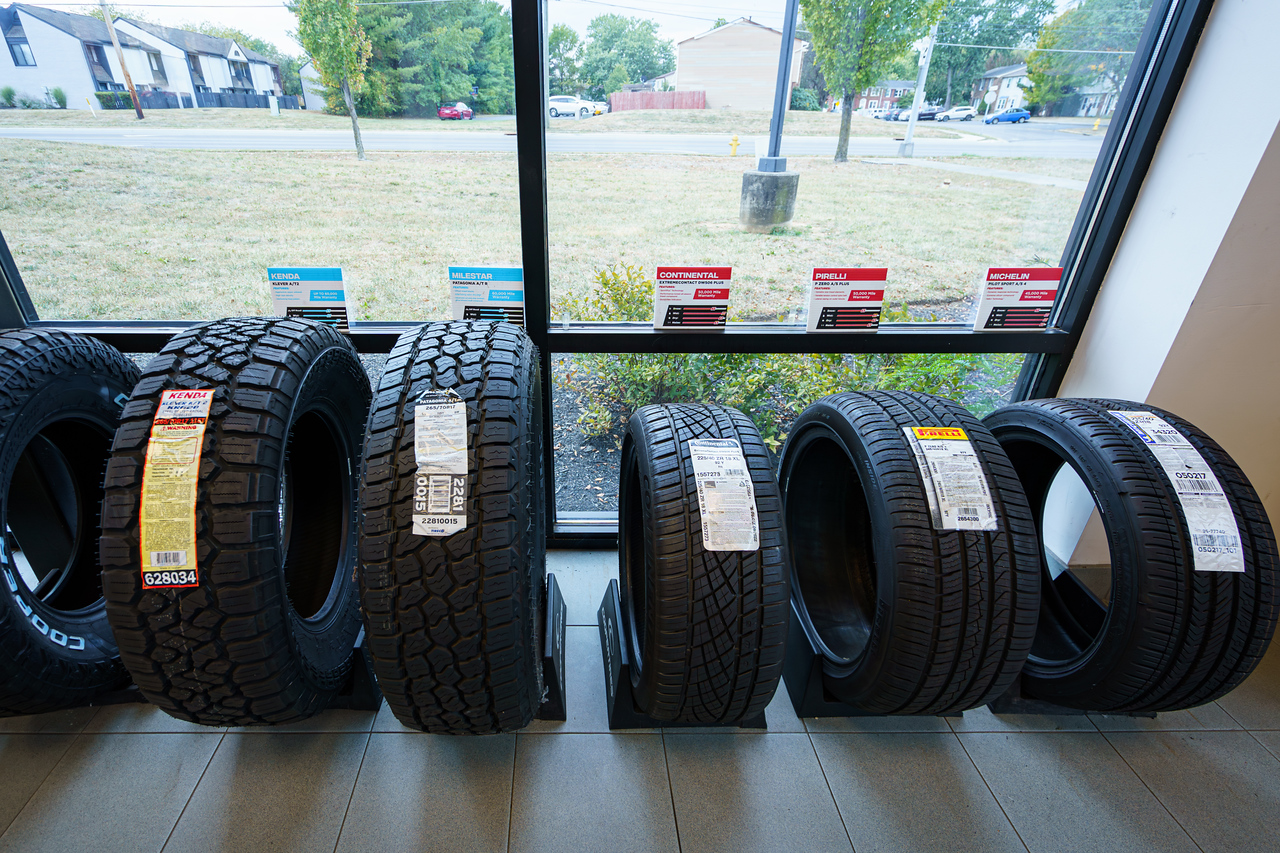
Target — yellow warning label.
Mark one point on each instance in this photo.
(169, 479)
(936, 433)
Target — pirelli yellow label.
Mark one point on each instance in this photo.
(169, 479)
(939, 433)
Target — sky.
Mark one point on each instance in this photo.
(271, 21)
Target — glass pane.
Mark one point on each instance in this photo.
(180, 215)
(594, 395)
(661, 177)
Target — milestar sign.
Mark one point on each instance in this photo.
(1017, 298)
(846, 299)
(692, 297)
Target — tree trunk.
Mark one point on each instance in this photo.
(946, 104)
(846, 115)
(355, 125)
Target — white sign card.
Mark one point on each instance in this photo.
(691, 297)
(846, 299)
(314, 293)
(488, 293)
(1017, 299)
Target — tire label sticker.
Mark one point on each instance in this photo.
(1215, 538)
(170, 476)
(954, 483)
(440, 450)
(726, 495)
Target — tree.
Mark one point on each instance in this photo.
(562, 57)
(1001, 23)
(1109, 27)
(339, 48)
(856, 39)
(623, 49)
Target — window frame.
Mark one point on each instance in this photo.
(14, 44)
(1163, 54)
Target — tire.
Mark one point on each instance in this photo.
(267, 634)
(705, 630)
(454, 624)
(908, 619)
(584, 112)
(60, 399)
(555, 113)
(1169, 637)
(944, 118)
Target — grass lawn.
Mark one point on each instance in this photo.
(741, 122)
(105, 232)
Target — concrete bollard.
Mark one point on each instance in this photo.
(768, 200)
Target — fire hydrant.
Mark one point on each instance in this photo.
(733, 146)
(1096, 123)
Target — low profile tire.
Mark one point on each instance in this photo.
(1159, 636)
(60, 400)
(266, 636)
(705, 630)
(454, 624)
(908, 619)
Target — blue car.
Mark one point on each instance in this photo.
(1014, 114)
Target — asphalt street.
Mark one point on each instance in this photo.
(1025, 140)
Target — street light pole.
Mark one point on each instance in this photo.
(908, 146)
(128, 81)
(782, 94)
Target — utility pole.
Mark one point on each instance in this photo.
(908, 147)
(773, 162)
(128, 81)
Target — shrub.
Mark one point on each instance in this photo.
(805, 99)
(59, 97)
(114, 100)
(28, 103)
(7, 95)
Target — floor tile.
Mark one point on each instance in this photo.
(279, 792)
(1070, 791)
(591, 792)
(55, 722)
(900, 723)
(426, 792)
(1256, 703)
(751, 792)
(1223, 787)
(113, 793)
(140, 718)
(1271, 740)
(917, 792)
(27, 761)
(584, 686)
(982, 720)
(583, 577)
(385, 721)
(1208, 717)
(336, 721)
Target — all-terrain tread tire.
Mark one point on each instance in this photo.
(954, 612)
(234, 650)
(454, 624)
(714, 631)
(1175, 638)
(46, 376)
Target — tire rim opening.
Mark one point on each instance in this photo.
(829, 530)
(314, 508)
(51, 511)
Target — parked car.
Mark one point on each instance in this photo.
(928, 113)
(890, 114)
(458, 111)
(568, 105)
(958, 114)
(1013, 114)
(598, 108)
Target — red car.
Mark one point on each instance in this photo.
(458, 111)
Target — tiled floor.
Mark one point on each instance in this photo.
(129, 778)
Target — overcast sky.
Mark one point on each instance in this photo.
(272, 22)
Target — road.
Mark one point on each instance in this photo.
(1027, 140)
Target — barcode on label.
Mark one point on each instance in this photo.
(168, 558)
(1214, 540)
(438, 494)
(967, 510)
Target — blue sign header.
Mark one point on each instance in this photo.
(304, 274)
(486, 274)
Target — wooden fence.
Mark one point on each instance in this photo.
(619, 101)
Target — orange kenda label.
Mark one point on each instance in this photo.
(170, 475)
(936, 433)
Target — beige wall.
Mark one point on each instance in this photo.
(737, 66)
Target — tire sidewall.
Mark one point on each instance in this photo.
(635, 465)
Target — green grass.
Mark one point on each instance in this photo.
(741, 122)
(107, 232)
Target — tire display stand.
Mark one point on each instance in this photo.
(1014, 701)
(623, 713)
(553, 705)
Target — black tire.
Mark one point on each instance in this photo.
(454, 624)
(1167, 637)
(908, 619)
(60, 400)
(266, 637)
(705, 630)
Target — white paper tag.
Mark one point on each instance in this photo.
(313, 293)
(488, 293)
(691, 297)
(440, 449)
(1017, 298)
(1215, 538)
(726, 496)
(954, 483)
(846, 299)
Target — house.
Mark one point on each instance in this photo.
(1007, 83)
(884, 94)
(48, 50)
(736, 65)
(207, 64)
(312, 88)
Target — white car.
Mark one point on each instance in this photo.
(958, 114)
(568, 105)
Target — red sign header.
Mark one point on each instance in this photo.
(695, 273)
(1020, 274)
(850, 273)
